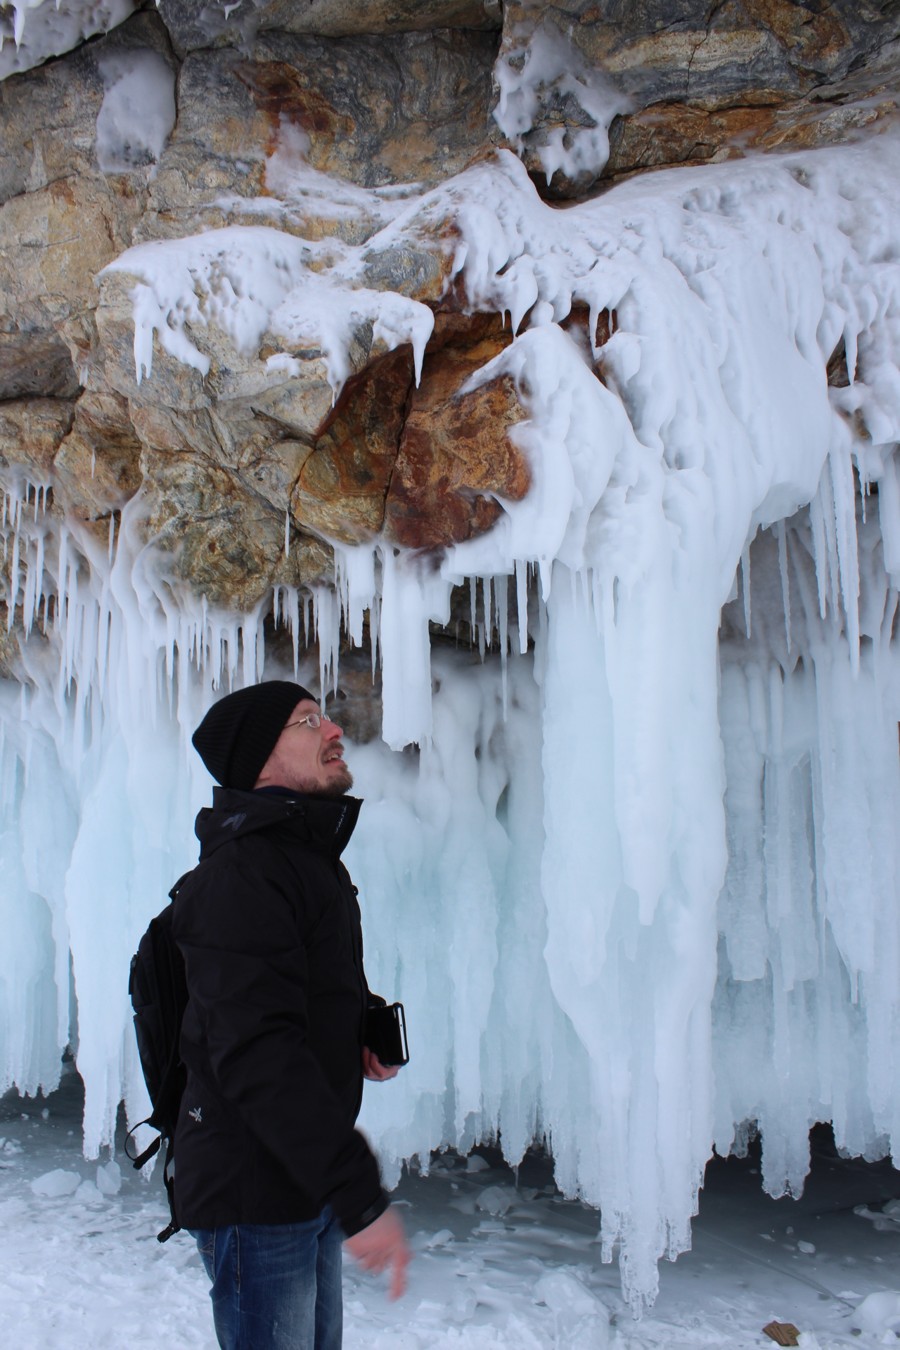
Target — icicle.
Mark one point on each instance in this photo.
(846, 546)
(483, 631)
(501, 591)
(287, 531)
(103, 630)
(889, 516)
(295, 629)
(522, 604)
(375, 633)
(823, 504)
(357, 573)
(780, 535)
(819, 547)
(745, 587)
(597, 601)
(13, 577)
(327, 630)
(260, 652)
(488, 590)
(29, 598)
(38, 575)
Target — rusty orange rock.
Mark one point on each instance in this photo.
(282, 94)
(341, 488)
(455, 454)
(420, 465)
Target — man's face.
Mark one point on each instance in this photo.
(308, 759)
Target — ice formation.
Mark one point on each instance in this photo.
(138, 110)
(31, 31)
(543, 64)
(637, 887)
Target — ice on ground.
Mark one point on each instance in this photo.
(109, 1178)
(53, 1185)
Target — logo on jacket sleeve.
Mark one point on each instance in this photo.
(196, 1114)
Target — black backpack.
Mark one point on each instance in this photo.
(158, 992)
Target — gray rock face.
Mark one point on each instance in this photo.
(31, 432)
(705, 82)
(690, 50)
(62, 218)
(48, 117)
(215, 22)
(378, 110)
(374, 111)
(35, 361)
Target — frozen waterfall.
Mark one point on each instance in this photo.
(637, 886)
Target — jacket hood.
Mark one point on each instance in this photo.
(324, 822)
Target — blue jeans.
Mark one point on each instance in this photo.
(275, 1286)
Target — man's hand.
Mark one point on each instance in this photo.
(374, 1070)
(382, 1245)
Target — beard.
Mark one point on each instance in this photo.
(338, 782)
(339, 786)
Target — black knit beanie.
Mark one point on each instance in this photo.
(238, 734)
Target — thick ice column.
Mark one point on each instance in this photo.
(807, 1006)
(631, 947)
(33, 939)
(413, 592)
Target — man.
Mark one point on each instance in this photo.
(271, 1174)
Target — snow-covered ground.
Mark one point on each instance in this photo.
(500, 1260)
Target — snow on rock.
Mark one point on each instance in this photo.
(543, 67)
(253, 279)
(637, 887)
(38, 29)
(138, 110)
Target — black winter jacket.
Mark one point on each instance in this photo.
(272, 1035)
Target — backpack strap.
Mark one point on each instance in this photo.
(140, 1159)
(173, 1226)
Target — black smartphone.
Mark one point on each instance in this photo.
(386, 1033)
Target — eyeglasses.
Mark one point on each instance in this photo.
(313, 720)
